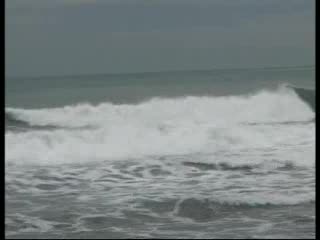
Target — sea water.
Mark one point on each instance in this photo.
(183, 154)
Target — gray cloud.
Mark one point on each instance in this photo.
(72, 37)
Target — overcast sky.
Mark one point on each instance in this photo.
(58, 37)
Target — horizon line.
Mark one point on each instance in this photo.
(161, 71)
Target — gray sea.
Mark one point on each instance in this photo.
(182, 154)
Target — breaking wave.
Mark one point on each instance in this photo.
(178, 126)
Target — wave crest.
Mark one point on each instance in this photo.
(163, 127)
(265, 106)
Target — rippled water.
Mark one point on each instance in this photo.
(161, 197)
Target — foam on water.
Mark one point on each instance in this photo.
(161, 127)
(241, 150)
(180, 166)
(264, 106)
(237, 166)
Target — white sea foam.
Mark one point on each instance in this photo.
(282, 105)
(165, 127)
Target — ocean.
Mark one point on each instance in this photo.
(224, 153)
